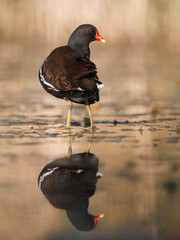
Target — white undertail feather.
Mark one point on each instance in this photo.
(100, 85)
(99, 175)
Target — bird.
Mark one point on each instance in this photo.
(68, 183)
(67, 73)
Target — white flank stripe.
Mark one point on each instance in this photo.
(45, 175)
(79, 171)
(100, 85)
(80, 89)
(43, 79)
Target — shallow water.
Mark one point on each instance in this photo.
(136, 147)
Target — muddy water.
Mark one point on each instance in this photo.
(132, 175)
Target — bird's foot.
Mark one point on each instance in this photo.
(68, 127)
(93, 128)
(90, 129)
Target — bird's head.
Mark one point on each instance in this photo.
(82, 37)
(86, 33)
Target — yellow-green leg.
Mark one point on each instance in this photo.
(90, 117)
(68, 123)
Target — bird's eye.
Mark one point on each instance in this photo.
(90, 31)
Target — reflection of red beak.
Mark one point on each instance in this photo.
(96, 219)
(99, 38)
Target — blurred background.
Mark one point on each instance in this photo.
(141, 36)
(121, 21)
(30, 30)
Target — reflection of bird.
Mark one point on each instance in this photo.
(68, 73)
(68, 183)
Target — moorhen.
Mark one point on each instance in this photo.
(67, 73)
(69, 182)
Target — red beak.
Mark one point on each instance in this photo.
(99, 38)
(96, 219)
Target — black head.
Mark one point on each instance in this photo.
(81, 37)
(80, 218)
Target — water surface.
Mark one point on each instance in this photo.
(136, 149)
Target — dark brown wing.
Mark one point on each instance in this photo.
(65, 74)
(65, 70)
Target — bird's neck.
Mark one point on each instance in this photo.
(79, 216)
(81, 48)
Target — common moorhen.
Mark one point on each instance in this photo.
(68, 73)
(68, 183)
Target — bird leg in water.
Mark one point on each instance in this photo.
(89, 144)
(90, 117)
(69, 145)
(68, 123)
